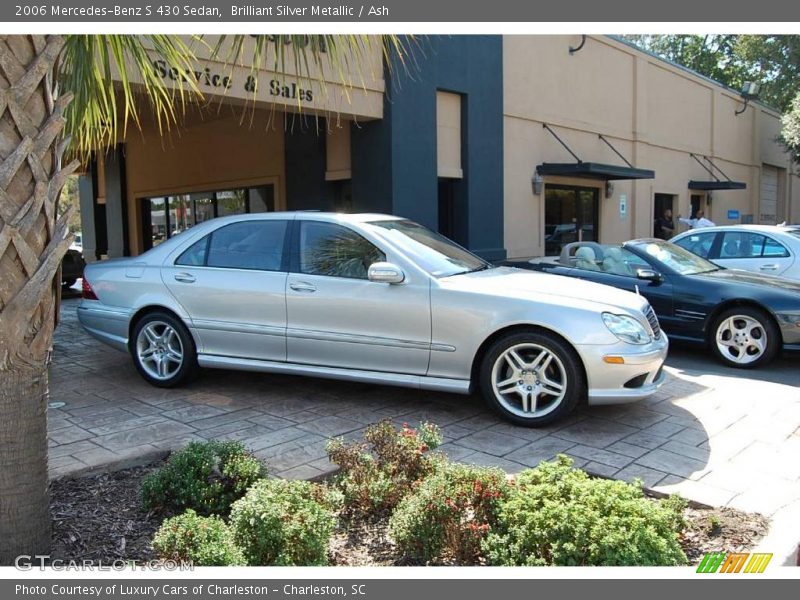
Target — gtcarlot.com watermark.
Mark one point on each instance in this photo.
(26, 562)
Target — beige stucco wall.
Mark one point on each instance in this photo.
(655, 114)
(210, 151)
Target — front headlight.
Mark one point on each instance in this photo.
(626, 328)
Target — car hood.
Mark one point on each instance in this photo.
(751, 278)
(533, 285)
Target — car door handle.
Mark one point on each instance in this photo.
(302, 286)
(184, 277)
(770, 267)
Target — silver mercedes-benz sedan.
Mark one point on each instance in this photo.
(372, 298)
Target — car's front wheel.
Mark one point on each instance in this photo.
(745, 337)
(163, 350)
(532, 378)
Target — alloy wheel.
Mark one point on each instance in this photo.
(159, 350)
(741, 339)
(529, 380)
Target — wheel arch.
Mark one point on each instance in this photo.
(518, 328)
(154, 308)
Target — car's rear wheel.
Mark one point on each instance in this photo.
(163, 350)
(532, 378)
(745, 337)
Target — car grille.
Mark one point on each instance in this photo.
(653, 321)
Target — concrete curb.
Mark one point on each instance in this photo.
(117, 465)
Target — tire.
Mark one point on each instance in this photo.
(561, 383)
(744, 337)
(163, 350)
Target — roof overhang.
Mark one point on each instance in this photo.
(707, 186)
(593, 170)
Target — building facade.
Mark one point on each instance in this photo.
(511, 145)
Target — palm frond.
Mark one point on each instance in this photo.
(102, 107)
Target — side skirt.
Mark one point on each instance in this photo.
(439, 384)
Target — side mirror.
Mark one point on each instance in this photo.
(649, 275)
(384, 272)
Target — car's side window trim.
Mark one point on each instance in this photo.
(716, 244)
(284, 265)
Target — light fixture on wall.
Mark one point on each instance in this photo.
(749, 91)
(609, 189)
(537, 183)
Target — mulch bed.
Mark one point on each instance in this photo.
(100, 518)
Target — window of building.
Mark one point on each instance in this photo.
(448, 135)
(231, 202)
(166, 216)
(336, 251)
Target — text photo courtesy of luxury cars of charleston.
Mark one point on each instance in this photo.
(381, 299)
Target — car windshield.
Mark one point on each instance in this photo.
(676, 258)
(433, 252)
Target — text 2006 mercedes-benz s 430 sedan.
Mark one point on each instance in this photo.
(372, 298)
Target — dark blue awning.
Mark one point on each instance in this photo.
(594, 170)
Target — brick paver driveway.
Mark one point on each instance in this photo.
(716, 435)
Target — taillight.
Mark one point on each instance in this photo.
(87, 291)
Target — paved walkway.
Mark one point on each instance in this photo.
(716, 435)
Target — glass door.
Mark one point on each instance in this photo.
(570, 215)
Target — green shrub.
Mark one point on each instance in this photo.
(205, 476)
(376, 473)
(557, 515)
(449, 513)
(282, 522)
(202, 541)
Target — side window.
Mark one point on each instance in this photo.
(336, 251)
(773, 248)
(698, 243)
(248, 245)
(619, 261)
(195, 255)
(739, 244)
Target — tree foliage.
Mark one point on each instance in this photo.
(790, 136)
(770, 60)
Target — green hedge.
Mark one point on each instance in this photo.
(204, 476)
(556, 515)
(282, 522)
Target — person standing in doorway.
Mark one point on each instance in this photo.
(665, 226)
(699, 222)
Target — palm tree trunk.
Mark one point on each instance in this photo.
(32, 244)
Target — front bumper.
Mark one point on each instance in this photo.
(637, 378)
